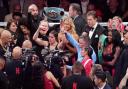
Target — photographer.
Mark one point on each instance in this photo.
(32, 75)
(14, 69)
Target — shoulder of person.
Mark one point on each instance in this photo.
(48, 74)
(107, 86)
(100, 26)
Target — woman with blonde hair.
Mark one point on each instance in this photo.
(67, 25)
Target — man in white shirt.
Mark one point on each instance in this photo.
(94, 30)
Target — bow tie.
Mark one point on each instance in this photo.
(91, 29)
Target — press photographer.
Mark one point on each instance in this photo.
(55, 61)
(31, 75)
(14, 69)
(27, 53)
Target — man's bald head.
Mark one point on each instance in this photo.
(17, 52)
(27, 44)
(32, 6)
(33, 9)
(1, 30)
(5, 37)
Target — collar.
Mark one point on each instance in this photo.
(95, 25)
(102, 87)
(75, 17)
(77, 73)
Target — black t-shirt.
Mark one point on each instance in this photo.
(38, 48)
(77, 82)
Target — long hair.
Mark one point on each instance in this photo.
(72, 30)
(37, 73)
(116, 37)
(9, 24)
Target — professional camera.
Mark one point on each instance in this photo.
(28, 56)
(54, 57)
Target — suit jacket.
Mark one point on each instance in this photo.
(107, 86)
(79, 23)
(95, 37)
(121, 66)
(3, 80)
(77, 82)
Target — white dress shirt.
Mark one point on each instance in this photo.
(103, 86)
(92, 31)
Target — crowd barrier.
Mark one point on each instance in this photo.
(4, 24)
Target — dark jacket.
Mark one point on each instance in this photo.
(106, 87)
(121, 66)
(79, 23)
(95, 37)
(3, 81)
(77, 82)
(33, 23)
(14, 73)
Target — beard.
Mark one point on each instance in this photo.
(35, 17)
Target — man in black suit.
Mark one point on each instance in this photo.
(75, 14)
(77, 80)
(100, 80)
(122, 63)
(94, 30)
(76, 1)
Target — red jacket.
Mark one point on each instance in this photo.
(87, 63)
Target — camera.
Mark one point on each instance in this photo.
(54, 57)
(28, 57)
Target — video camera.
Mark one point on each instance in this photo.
(54, 57)
(27, 56)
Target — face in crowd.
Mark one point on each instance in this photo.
(6, 37)
(71, 11)
(13, 27)
(113, 4)
(126, 39)
(109, 36)
(83, 42)
(52, 37)
(17, 8)
(25, 29)
(33, 9)
(43, 27)
(84, 52)
(67, 25)
(91, 21)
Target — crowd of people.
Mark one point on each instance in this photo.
(78, 53)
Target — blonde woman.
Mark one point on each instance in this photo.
(68, 25)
